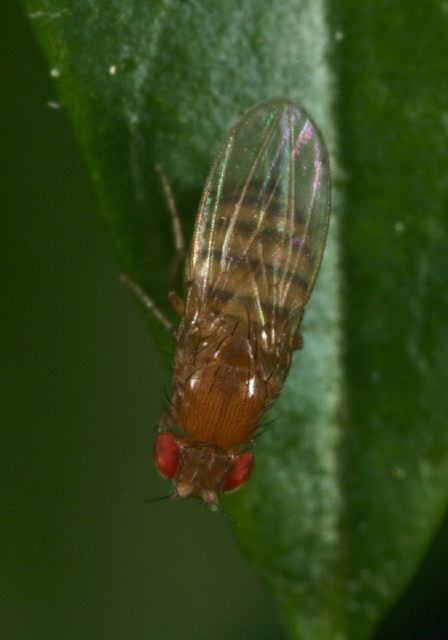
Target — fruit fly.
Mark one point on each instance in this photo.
(256, 250)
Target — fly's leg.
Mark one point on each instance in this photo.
(147, 302)
(175, 300)
(297, 341)
(177, 303)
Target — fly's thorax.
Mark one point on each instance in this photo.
(198, 469)
(219, 395)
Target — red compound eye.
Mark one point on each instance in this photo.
(238, 474)
(166, 454)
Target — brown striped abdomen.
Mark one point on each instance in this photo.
(258, 269)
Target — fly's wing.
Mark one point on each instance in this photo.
(262, 222)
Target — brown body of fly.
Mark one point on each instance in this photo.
(252, 263)
(224, 378)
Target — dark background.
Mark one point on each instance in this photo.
(82, 554)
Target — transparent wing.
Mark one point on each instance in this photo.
(263, 219)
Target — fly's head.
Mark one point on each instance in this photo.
(198, 469)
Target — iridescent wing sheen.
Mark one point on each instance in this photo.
(263, 220)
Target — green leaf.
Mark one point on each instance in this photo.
(351, 481)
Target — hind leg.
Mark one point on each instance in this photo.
(297, 341)
(175, 300)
